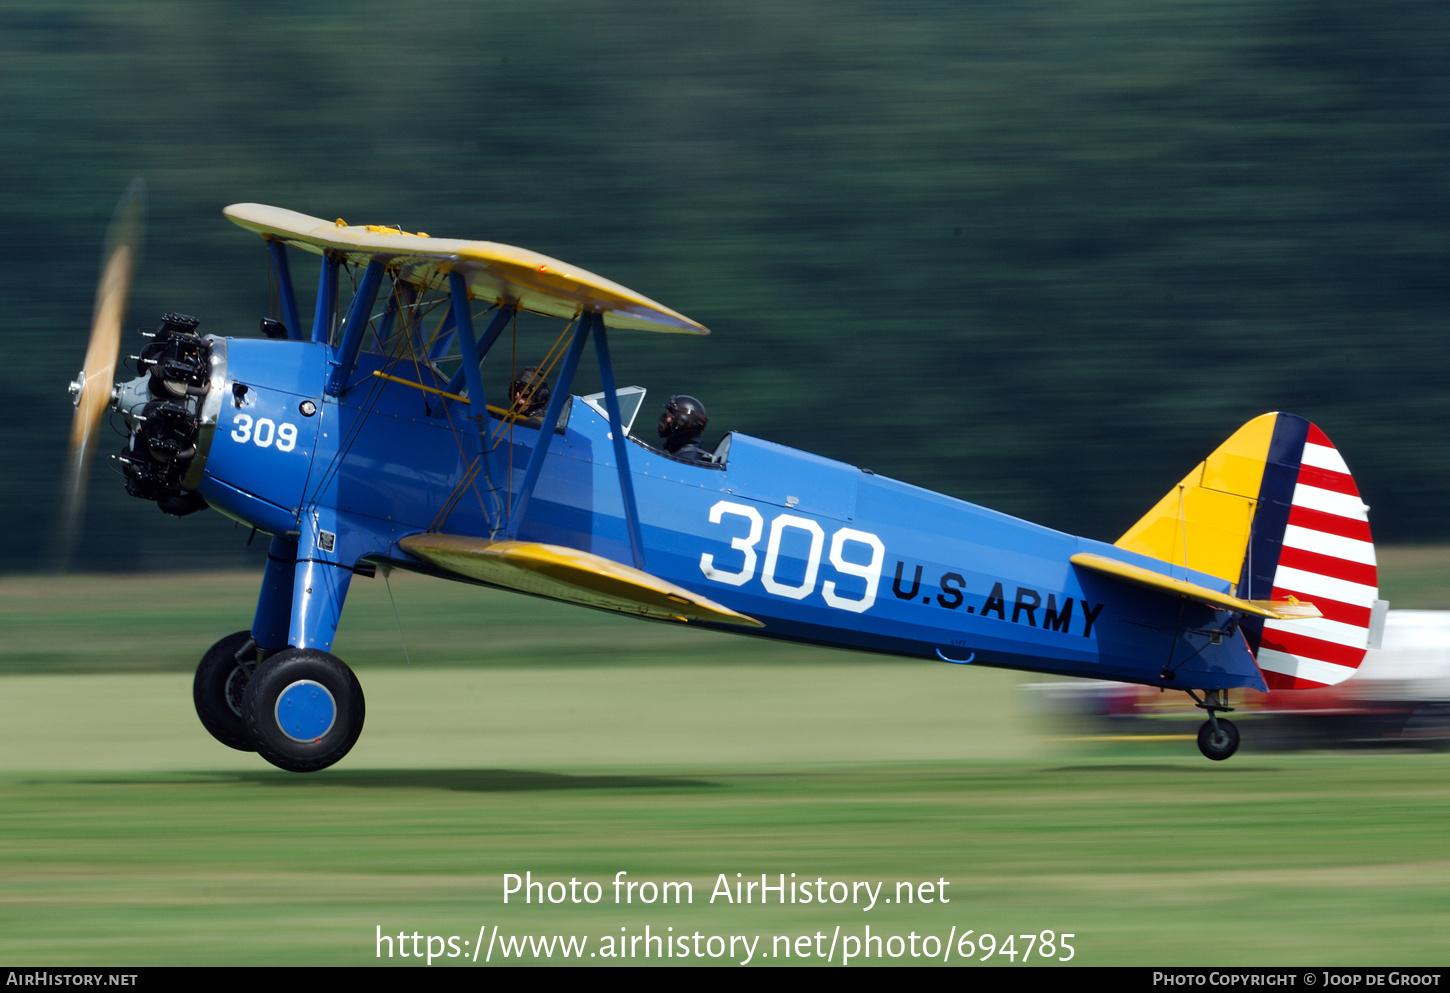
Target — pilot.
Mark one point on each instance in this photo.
(681, 425)
(529, 393)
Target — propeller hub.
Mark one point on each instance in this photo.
(76, 387)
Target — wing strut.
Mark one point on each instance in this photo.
(326, 299)
(490, 335)
(384, 330)
(477, 400)
(358, 316)
(587, 322)
(401, 305)
(616, 429)
(278, 251)
(551, 419)
(444, 339)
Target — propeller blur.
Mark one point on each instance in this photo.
(91, 389)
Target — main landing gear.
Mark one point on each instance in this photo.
(221, 679)
(1217, 738)
(300, 709)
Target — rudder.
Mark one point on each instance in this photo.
(1275, 511)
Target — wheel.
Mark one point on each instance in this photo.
(1221, 744)
(217, 691)
(303, 709)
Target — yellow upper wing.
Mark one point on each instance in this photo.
(500, 273)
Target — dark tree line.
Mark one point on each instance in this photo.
(1043, 256)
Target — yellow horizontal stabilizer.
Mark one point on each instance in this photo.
(1283, 610)
(570, 575)
(497, 273)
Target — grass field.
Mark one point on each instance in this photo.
(530, 737)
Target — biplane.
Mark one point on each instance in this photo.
(362, 437)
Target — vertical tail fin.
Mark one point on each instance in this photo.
(1275, 510)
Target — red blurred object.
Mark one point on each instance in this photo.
(1400, 697)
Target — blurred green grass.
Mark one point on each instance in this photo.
(530, 736)
(1324, 860)
(162, 622)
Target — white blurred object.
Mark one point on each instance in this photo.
(1414, 663)
(1400, 696)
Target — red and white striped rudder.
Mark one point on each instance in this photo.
(1326, 558)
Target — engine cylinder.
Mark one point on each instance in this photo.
(171, 409)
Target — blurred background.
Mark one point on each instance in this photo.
(1041, 256)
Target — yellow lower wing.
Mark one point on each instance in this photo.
(570, 575)
(1283, 610)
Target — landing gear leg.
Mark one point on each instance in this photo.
(1217, 738)
(273, 620)
(302, 708)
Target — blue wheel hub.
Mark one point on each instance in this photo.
(306, 711)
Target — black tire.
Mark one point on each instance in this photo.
(1218, 746)
(303, 709)
(218, 688)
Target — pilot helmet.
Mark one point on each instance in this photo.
(529, 391)
(683, 414)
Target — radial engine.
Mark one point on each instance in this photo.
(171, 409)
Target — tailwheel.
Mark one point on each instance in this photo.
(303, 709)
(217, 690)
(1218, 738)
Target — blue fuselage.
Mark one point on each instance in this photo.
(817, 550)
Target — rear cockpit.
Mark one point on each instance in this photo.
(631, 401)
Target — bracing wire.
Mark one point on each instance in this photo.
(396, 619)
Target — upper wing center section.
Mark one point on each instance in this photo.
(500, 273)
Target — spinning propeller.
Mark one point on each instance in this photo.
(91, 389)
